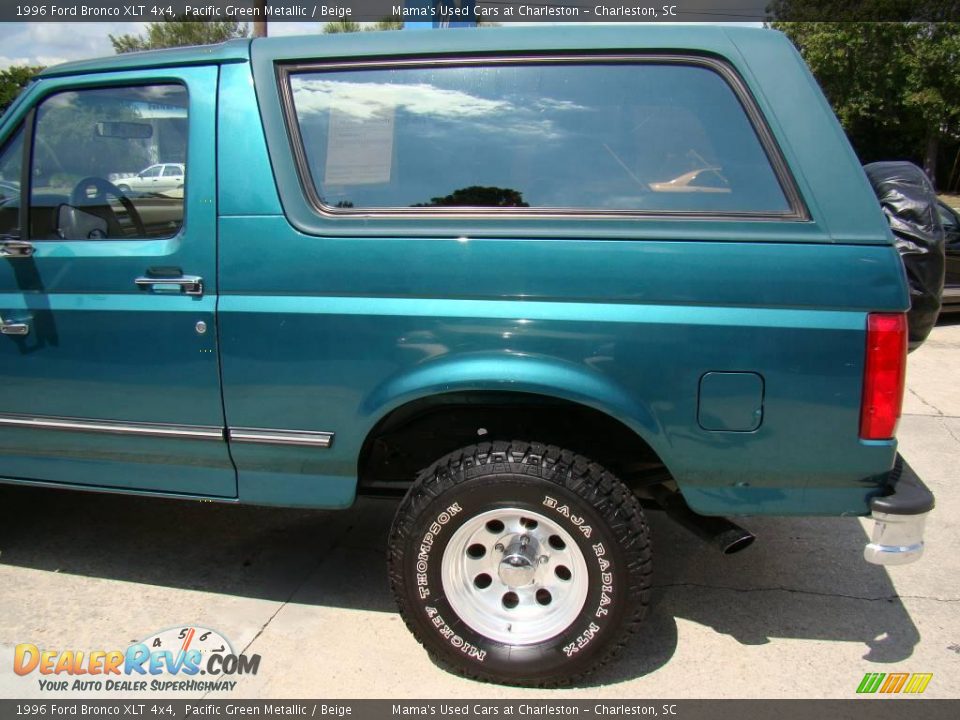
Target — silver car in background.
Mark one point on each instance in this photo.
(159, 178)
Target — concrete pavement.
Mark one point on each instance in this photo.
(798, 615)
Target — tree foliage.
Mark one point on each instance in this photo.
(862, 10)
(342, 26)
(479, 196)
(179, 33)
(349, 26)
(387, 24)
(894, 86)
(12, 80)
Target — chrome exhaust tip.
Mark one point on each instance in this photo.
(734, 538)
(720, 532)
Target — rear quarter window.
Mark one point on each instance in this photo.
(595, 137)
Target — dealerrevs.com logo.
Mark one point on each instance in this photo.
(168, 661)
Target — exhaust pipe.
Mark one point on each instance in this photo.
(729, 537)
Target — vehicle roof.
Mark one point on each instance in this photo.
(230, 51)
(709, 38)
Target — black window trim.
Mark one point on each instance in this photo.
(26, 174)
(797, 208)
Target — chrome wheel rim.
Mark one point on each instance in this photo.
(514, 576)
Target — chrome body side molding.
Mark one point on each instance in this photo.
(280, 437)
(267, 436)
(112, 427)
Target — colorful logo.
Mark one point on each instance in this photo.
(169, 660)
(912, 683)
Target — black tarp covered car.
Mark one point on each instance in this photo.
(910, 205)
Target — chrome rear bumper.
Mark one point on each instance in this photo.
(899, 519)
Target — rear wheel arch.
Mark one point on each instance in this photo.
(408, 437)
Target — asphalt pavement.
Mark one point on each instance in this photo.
(797, 615)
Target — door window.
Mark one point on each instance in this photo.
(89, 147)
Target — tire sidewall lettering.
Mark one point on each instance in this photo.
(426, 544)
(598, 553)
(480, 494)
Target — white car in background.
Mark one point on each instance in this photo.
(159, 178)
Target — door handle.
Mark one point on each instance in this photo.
(190, 284)
(14, 328)
(16, 249)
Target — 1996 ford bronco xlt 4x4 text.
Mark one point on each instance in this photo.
(535, 279)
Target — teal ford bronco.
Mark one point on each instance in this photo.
(532, 280)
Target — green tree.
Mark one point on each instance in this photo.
(349, 26)
(933, 92)
(386, 24)
(479, 196)
(341, 26)
(894, 86)
(179, 33)
(12, 80)
(861, 10)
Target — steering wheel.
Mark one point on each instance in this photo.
(80, 197)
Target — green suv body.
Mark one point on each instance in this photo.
(650, 253)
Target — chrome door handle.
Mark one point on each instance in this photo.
(190, 284)
(14, 328)
(16, 249)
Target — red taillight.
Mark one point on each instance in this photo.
(883, 375)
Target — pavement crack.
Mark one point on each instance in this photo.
(930, 405)
(334, 544)
(947, 428)
(797, 591)
(941, 417)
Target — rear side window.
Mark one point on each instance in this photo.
(644, 137)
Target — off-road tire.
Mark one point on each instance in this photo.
(597, 510)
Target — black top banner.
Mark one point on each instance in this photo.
(460, 709)
(460, 12)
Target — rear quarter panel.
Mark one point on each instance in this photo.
(328, 329)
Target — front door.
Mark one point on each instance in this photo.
(108, 358)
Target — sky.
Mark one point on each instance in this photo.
(49, 43)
